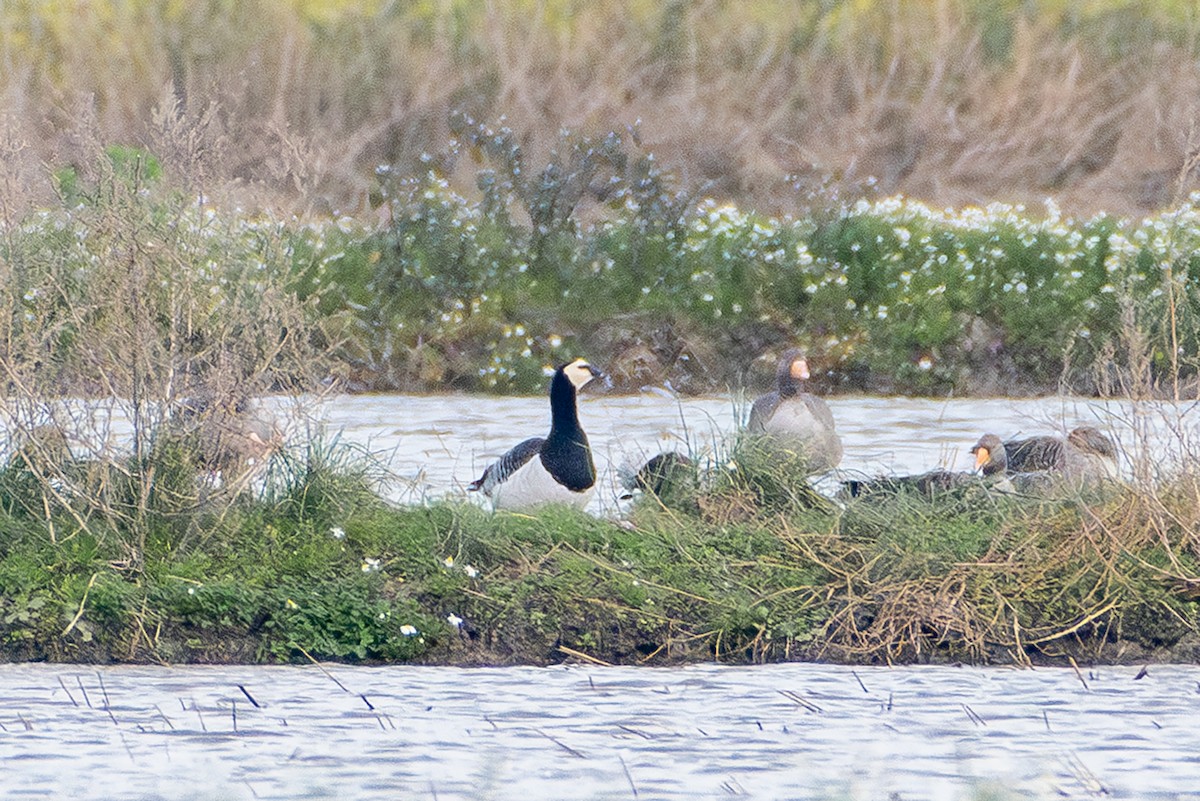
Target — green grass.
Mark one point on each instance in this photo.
(483, 294)
(733, 570)
(143, 559)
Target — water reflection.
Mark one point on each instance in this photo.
(785, 731)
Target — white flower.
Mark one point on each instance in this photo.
(470, 571)
(408, 630)
(448, 561)
(454, 620)
(338, 533)
(370, 565)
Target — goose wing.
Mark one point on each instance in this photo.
(820, 411)
(1035, 454)
(761, 412)
(497, 472)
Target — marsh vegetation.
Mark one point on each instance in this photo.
(160, 275)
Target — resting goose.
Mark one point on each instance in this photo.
(1092, 453)
(659, 474)
(555, 469)
(229, 433)
(990, 461)
(797, 420)
(1086, 455)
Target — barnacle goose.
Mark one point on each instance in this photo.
(555, 469)
(797, 420)
(991, 460)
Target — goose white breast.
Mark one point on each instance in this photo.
(556, 469)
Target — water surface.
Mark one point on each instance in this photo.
(785, 731)
(441, 443)
(781, 731)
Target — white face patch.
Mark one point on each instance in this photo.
(579, 373)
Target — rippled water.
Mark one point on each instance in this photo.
(442, 443)
(787, 731)
(783, 731)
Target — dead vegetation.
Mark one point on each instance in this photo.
(762, 103)
(135, 342)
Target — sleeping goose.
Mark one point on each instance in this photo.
(797, 420)
(990, 460)
(659, 475)
(1092, 453)
(555, 469)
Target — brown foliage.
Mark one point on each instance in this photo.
(759, 103)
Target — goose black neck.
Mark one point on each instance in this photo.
(564, 416)
(565, 454)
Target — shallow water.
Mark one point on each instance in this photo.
(434, 445)
(781, 731)
(441, 443)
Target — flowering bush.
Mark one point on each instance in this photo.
(888, 295)
(595, 254)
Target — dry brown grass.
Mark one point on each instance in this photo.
(750, 101)
(171, 326)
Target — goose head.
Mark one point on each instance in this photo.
(990, 456)
(793, 369)
(580, 373)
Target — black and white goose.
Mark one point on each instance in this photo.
(557, 468)
(797, 420)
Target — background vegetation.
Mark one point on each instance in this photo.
(484, 293)
(467, 193)
(954, 102)
(201, 203)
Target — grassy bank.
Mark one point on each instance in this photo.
(134, 291)
(745, 568)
